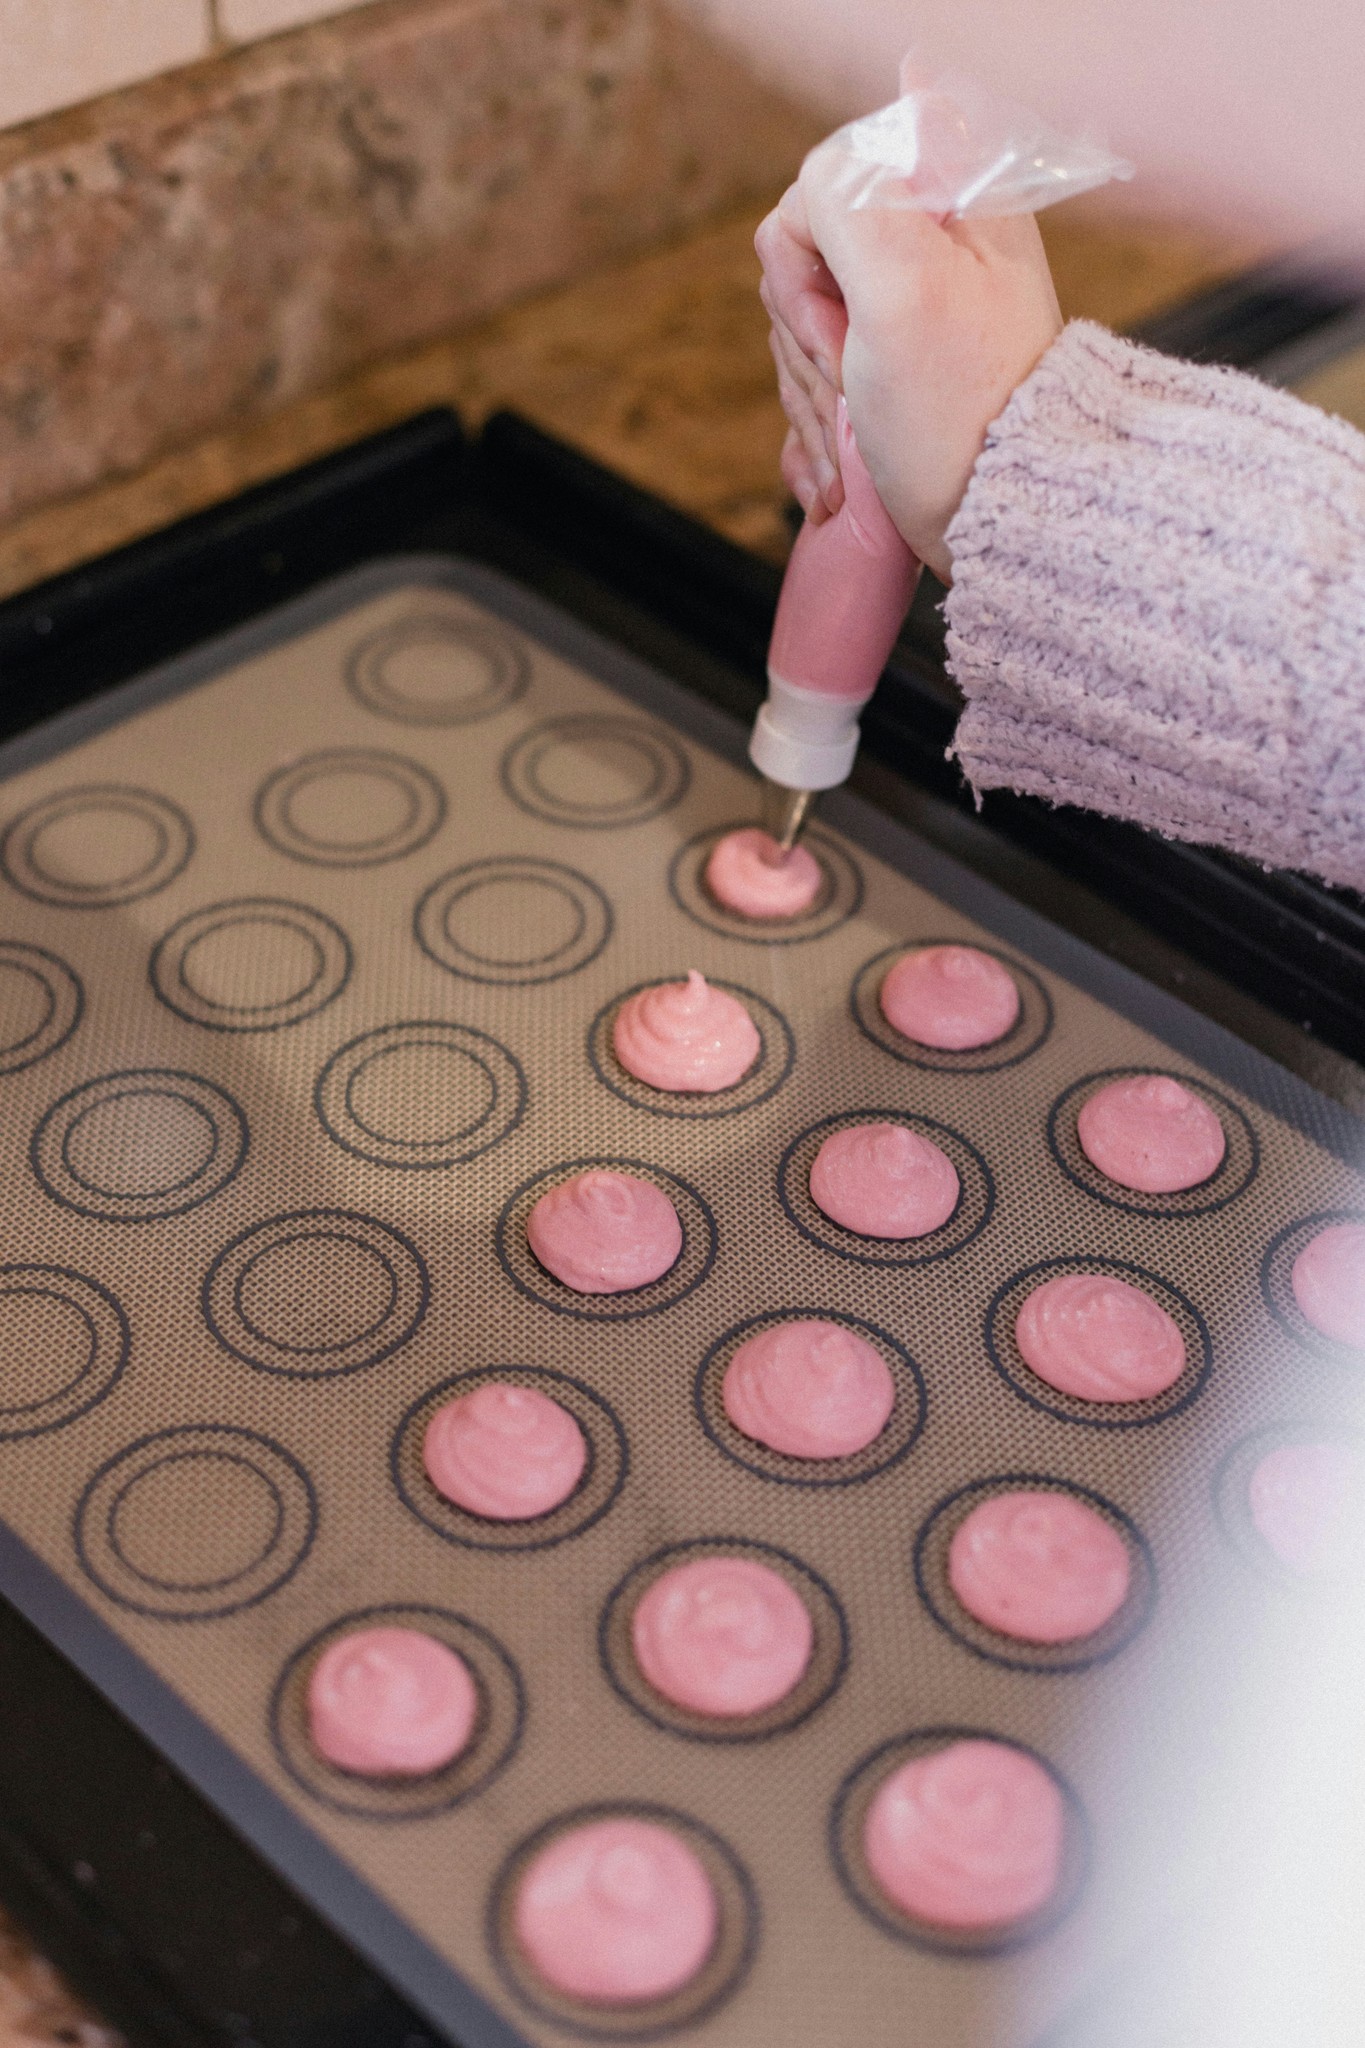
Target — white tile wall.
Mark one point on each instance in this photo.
(56, 52)
(244, 20)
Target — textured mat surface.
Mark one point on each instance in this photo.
(306, 977)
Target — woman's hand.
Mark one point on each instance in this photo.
(927, 327)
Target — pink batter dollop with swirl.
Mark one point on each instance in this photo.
(884, 1180)
(506, 1452)
(1328, 1280)
(686, 1037)
(1305, 1504)
(390, 1702)
(616, 1912)
(1100, 1339)
(748, 873)
(970, 1836)
(809, 1389)
(1042, 1567)
(1150, 1133)
(605, 1233)
(724, 1636)
(953, 998)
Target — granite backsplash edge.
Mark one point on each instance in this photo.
(187, 255)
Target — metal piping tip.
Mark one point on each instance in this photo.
(784, 813)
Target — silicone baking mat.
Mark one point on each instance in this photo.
(308, 955)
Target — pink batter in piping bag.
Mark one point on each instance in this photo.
(946, 147)
(847, 589)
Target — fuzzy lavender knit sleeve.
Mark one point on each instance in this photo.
(1158, 605)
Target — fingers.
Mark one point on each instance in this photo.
(801, 289)
(798, 477)
(809, 404)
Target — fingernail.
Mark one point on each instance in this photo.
(805, 493)
(827, 476)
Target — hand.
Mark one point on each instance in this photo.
(926, 326)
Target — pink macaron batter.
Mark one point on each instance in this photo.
(748, 873)
(605, 1232)
(1039, 1566)
(884, 1180)
(722, 1636)
(1328, 1279)
(1304, 1501)
(970, 1836)
(390, 1702)
(809, 1389)
(617, 1911)
(1096, 1337)
(685, 1036)
(952, 998)
(506, 1452)
(1150, 1133)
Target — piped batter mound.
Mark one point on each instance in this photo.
(1041, 1567)
(1328, 1280)
(506, 1452)
(390, 1702)
(952, 998)
(1151, 1134)
(724, 1636)
(686, 1037)
(616, 1912)
(1100, 1339)
(884, 1180)
(605, 1232)
(809, 1389)
(1305, 1504)
(748, 873)
(969, 1837)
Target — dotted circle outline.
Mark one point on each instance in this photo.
(1071, 1656)
(672, 770)
(65, 1004)
(412, 1614)
(1123, 1269)
(117, 1341)
(1197, 1205)
(232, 1142)
(341, 1070)
(427, 799)
(165, 964)
(806, 1472)
(411, 1265)
(865, 1009)
(910, 1255)
(838, 903)
(508, 662)
(172, 826)
(699, 1107)
(553, 1176)
(307, 1494)
(512, 1543)
(429, 926)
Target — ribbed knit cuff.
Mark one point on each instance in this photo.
(1158, 605)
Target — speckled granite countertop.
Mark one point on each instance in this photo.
(658, 366)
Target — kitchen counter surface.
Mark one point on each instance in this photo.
(658, 366)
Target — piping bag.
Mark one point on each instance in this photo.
(951, 148)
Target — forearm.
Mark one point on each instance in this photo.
(1158, 606)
